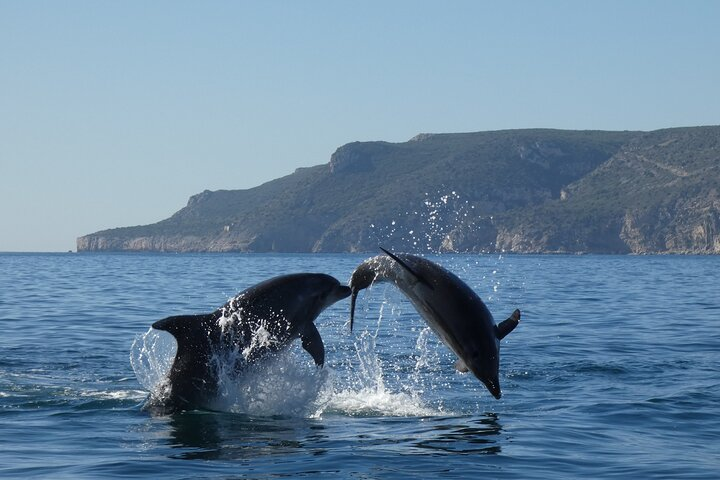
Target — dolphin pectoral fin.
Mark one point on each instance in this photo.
(507, 326)
(313, 344)
(407, 267)
(460, 366)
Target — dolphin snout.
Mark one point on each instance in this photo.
(493, 386)
(336, 294)
(341, 291)
(353, 300)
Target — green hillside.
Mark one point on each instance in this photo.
(516, 190)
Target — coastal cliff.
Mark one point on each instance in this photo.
(525, 191)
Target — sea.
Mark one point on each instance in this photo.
(613, 372)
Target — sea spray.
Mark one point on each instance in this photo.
(287, 383)
(364, 391)
(151, 357)
(284, 384)
(372, 386)
(436, 225)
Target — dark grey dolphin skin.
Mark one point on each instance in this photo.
(261, 320)
(448, 305)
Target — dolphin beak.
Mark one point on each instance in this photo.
(341, 291)
(353, 299)
(493, 386)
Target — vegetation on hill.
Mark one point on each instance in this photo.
(659, 193)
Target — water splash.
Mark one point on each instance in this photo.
(281, 384)
(432, 227)
(366, 391)
(374, 385)
(287, 383)
(151, 357)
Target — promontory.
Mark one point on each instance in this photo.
(524, 191)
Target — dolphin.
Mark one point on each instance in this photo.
(448, 305)
(259, 321)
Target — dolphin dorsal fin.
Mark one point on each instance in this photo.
(507, 326)
(313, 344)
(407, 267)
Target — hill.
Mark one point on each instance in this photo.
(533, 190)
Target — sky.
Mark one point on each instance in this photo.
(113, 113)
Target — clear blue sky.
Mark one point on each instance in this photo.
(112, 113)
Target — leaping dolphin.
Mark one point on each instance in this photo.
(261, 320)
(448, 305)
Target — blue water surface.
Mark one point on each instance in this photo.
(613, 372)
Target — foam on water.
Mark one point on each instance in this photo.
(378, 402)
(113, 394)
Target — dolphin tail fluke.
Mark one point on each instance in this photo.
(313, 344)
(507, 326)
(407, 267)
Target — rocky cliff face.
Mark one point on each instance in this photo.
(525, 191)
(685, 227)
(161, 243)
(657, 194)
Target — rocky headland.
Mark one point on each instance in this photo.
(524, 191)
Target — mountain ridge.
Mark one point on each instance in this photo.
(524, 191)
